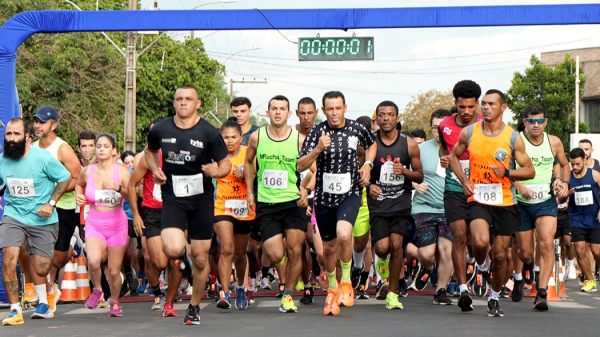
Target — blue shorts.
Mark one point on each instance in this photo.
(530, 212)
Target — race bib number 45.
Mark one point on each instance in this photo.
(186, 186)
(22, 188)
(337, 183)
(489, 194)
(584, 198)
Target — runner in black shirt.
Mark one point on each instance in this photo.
(190, 148)
(334, 145)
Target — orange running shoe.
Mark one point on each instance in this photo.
(30, 294)
(331, 305)
(346, 294)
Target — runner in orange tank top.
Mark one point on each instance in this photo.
(494, 147)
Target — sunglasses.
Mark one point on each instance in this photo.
(540, 121)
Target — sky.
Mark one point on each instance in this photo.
(419, 59)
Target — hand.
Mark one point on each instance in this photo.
(237, 172)
(138, 225)
(80, 199)
(324, 142)
(468, 188)
(422, 188)
(45, 211)
(303, 201)
(444, 161)
(308, 211)
(498, 170)
(563, 190)
(365, 175)
(159, 177)
(374, 191)
(571, 191)
(210, 170)
(250, 198)
(527, 193)
(109, 185)
(398, 167)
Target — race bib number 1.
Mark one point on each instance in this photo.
(22, 188)
(489, 194)
(186, 186)
(276, 179)
(236, 208)
(337, 183)
(584, 198)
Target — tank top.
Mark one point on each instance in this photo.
(67, 200)
(584, 204)
(278, 180)
(486, 150)
(542, 158)
(102, 198)
(232, 193)
(152, 192)
(395, 189)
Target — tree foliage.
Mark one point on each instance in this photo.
(554, 89)
(417, 112)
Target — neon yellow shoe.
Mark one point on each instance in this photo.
(589, 286)
(391, 301)
(287, 304)
(383, 267)
(14, 318)
(299, 286)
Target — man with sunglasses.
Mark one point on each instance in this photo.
(537, 202)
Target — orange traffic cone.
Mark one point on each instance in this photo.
(552, 296)
(68, 287)
(82, 281)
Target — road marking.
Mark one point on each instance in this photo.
(83, 311)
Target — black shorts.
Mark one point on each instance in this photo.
(197, 218)
(133, 235)
(563, 225)
(383, 224)
(503, 220)
(530, 212)
(591, 235)
(239, 226)
(151, 218)
(214, 244)
(455, 206)
(274, 219)
(328, 217)
(67, 221)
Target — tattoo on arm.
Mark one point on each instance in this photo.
(61, 187)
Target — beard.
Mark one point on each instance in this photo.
(14, 150)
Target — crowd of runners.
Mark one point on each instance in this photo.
(335, 205)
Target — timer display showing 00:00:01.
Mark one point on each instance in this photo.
(336, 48)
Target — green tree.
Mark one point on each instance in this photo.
(554, 89)
(417, 112)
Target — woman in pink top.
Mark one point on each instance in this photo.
(104, 187)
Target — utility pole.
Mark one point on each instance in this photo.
(232, 81)
(129, 143)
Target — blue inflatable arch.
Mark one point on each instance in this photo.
(20, 27)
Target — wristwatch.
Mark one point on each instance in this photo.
(507, 173)
(368, 162)
(52, 203)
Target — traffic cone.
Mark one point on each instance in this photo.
(68, 287)
(82, 281)
(552, 287)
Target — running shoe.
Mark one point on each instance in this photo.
(536, 278)
(480, 286)
(159, 303)
(265, 284)
(465, 302)
(589, 286)
(192, 315)
(361, 294)
(415, 268)
(250, 297)
(299, 286)
(132, 283)
(517, 292)
(169, 310)
(402, 288)
(14, 318)
(433, 278)
(224, 300)
(581, 280)
(212, 290)
(143, 284)
(504, 292)
(420, 282)
(218, 297)
(184, 265)
(42, 311)
(115, 310)
(451, 288)
(125, 291)
(494, 309)
(470, 272)
(572, 273)
(309, 293)
(104, 304)
(346, 296)
(53, 298)
(541, 302)
(287, 305)
(383, 267)
(241, 302)
(441, 298)
(382, 288)
(528, 275)
(281, 289)
(253, 284)
(270, 277)
(94, 299)
(30, 294)
(391, 301)
(355, 277)
(331, 306)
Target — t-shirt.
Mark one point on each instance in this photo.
(433, 199)
(184, 151)
(337, 166)
(232, 194)
(246, 136)
(31, 182)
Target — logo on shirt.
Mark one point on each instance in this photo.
(353, 142)
(447, 131)
(169, 140)
(197, 143)
(500, 155)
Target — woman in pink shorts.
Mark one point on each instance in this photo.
(104, 186)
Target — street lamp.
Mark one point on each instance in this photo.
(210, 3)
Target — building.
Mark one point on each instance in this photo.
(589, 61)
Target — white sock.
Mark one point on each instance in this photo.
(571, 263)
(17, 306)
(518, 277)
(470, 259)
(483, 267)
(307, 285)
(50, 292)
(494, 295)
(463, 287)
(73, 241)
(536, 267)
(40, 289)
(358, 258)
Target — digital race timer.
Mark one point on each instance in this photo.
(335, 48)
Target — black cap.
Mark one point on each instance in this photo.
(46, 113)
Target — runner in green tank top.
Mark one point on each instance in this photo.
(538, 205)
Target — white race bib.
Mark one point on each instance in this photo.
(440, 171)
(489, 194)
(337, 183)
(303, 175)
(464, 165)
(86, 211)
(387, 175)
(236, 208)
(584, 198)
(275, 179)
(107, 198)
(540, 192)
(186, 186)
(157, 193)
(22, 188)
